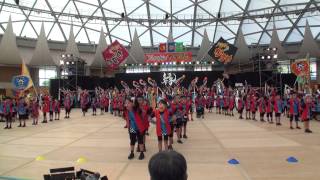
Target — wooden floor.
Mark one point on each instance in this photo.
(261, 148)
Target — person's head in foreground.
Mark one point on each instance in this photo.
(168, 165)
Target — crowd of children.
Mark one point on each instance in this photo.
(170, 109)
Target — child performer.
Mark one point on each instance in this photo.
(135, 127)
(262, 108)
(186, 108)
(163, 127)
(253, 107)
(106, 102)
(278, 109)
(218, 110)
(94, 105)
(294, 105)
(172, 121)
(84, 100)
(240, 107)
(231, 105)
(210, 100)
(1, 110)
(248, 112)
(8, 113)
(179, 115)
(190, 104)
(45, 108)
(226, 101)
(56, 109)
(14, 109)
(51, 108)
(145, 113)
(306, 115)
(120, 105)
(22, 112)
(200, 104)
(115, 105)
(34, 109)
(67, 104)
(269, 109)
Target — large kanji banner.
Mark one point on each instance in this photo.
(223, 51)
(168, 57)
(115, 54)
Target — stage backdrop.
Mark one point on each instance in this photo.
(252, 78)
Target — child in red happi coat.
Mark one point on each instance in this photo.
(248, 103)
(56, 109)
(45, 107)
(163, 128)
(253, 106)
(294, 108)
(269, 110)
(34, 111)
(262, 107)
(306, 113)
(136, 128)
(231, 105)
(240, 106)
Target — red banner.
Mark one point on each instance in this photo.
(168, 57)
(115, 54)
(301, 68)
(163, 47)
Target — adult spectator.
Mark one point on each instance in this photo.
(168, 165)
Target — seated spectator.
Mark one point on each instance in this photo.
(168, 165)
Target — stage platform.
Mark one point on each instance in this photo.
(261, 149)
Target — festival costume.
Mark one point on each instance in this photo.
(8, 110)
(163, 128)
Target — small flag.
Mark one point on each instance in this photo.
(26, 76)
(171, 47)
(163, 47)
(179, 47)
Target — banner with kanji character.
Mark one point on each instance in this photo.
(115, 54)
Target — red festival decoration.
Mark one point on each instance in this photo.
(223, 51)
(301, 68)
(114, 55)
(163, 47)
(168, 57)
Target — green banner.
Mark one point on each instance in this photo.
(179, 47)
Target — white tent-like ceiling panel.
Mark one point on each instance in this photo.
(184, 17)
(309, 46)
(41, 55)
(9, 53)
(98, 61)
(72, 47)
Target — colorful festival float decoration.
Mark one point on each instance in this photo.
(222, 51)
(169, 52)
(301, 68)
(114, 55)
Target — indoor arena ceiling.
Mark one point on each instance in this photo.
(153, 19)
